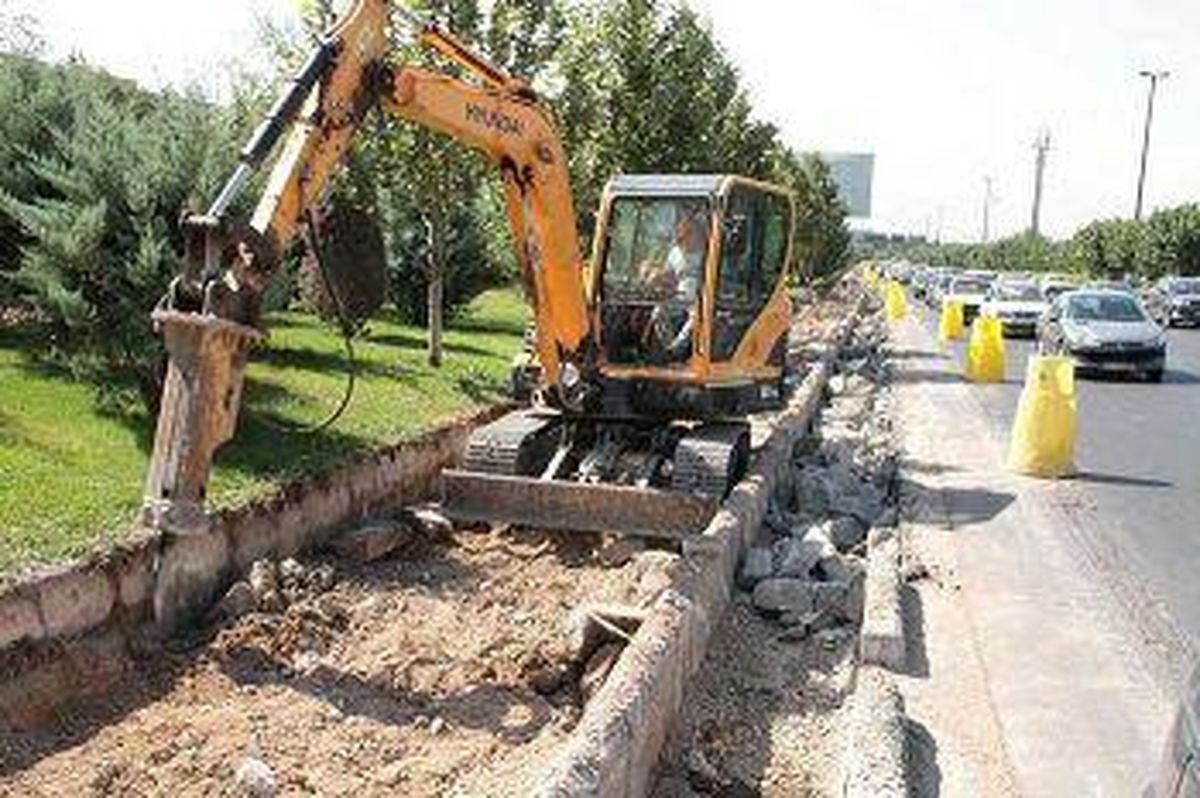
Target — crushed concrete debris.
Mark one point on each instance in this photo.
(255, 779)
(373, 541)
(764, 715)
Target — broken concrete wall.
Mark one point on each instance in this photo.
(70, 629)
(617, 742)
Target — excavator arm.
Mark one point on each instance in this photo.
(210, 317)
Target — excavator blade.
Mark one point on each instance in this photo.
(575, 506)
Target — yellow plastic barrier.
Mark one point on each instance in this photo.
(950, 326)
(1043, 436)
(985, 352)
(895, 304)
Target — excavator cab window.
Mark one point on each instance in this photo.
(754, 236)
(653, 271)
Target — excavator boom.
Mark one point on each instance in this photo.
(647, 362)
(210, 318)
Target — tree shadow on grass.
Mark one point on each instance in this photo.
(417, 343)
(474, 324)
(480, 388)
(267, 444)
(330, 362)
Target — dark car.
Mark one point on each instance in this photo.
(1178, 300)
(1105, 331)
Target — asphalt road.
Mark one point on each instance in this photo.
(1138, 454)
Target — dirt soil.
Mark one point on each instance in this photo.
(441, 670)
(414, 675)
(761, 716)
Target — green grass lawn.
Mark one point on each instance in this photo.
(71, 476)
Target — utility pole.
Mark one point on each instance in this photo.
(1154, 76)
(1040, 146)
(987, 201)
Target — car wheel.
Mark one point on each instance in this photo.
(1154, 375)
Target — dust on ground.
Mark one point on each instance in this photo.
(761, 715)
(438, 671)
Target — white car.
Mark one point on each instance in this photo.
(1018, 305)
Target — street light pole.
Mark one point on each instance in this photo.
(1040, 147)
(987, 201)
(1154, 76)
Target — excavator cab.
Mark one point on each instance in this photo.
(689, 294)
(689, 308)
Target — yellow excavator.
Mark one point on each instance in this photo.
(647, 359)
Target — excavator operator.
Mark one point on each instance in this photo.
(677, 279)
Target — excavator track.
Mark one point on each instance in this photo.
(710, 459)
(517, 444)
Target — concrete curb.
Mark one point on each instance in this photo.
(57, 621)
(882, 640)
(875, 757)
(616, 745)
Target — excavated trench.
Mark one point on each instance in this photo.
(445, 667)
(455, 663)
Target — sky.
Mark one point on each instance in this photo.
(943, 92)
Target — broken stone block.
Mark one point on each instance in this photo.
(428, 520)
(597, 669)
(846, 532)
(263, 579)
(780, 594)
(255, 778)
(756, 566)
(371, 542)
(617, 551)
(796, 558)
(800, 626)
(239, 600)
(833, 568)
(812, 491)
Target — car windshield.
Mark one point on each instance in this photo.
(1018, 292)
(969, 286)
(1104, 307)
(1185, 287)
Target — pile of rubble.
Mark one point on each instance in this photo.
(806, 571)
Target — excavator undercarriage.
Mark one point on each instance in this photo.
(541, 468)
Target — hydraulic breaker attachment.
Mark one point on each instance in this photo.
(199, 411)
(574, 506)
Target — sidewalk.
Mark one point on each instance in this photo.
(1021, 680)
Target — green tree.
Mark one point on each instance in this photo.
(101, 232)
(1172, 242)
(822, 241)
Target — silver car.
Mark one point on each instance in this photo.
(1105, 331)
(1178, 300)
